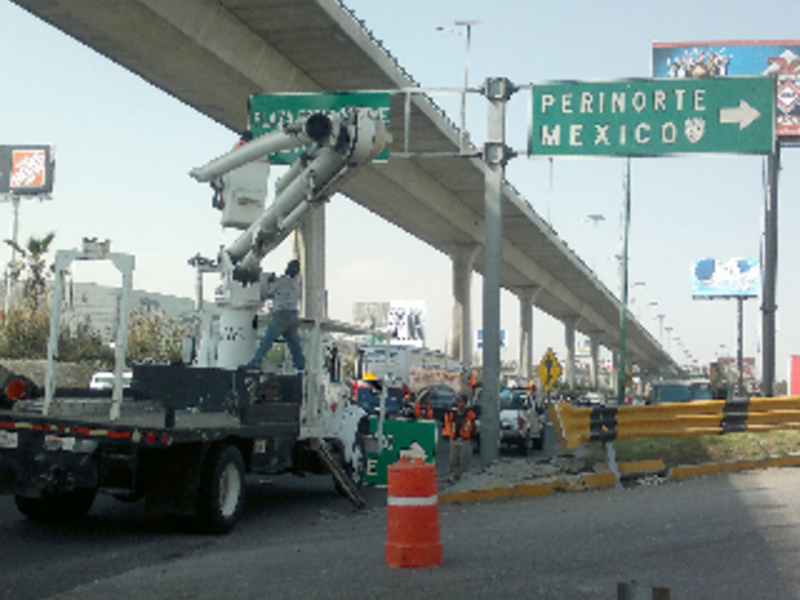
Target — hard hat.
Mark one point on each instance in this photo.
(370, 376)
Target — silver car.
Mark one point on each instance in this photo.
(521, 421)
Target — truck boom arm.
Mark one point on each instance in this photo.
(340, 146)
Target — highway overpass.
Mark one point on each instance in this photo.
(213, 54)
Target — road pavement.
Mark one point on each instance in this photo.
(730, 536)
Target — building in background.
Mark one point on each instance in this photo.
(98, 306)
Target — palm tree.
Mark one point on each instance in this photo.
(34, 289)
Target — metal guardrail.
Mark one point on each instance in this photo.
(577, 426)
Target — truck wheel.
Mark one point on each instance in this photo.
(357, 469)
(221, 497)
(59, 507)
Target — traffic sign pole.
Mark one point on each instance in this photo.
(622, 371)
(496, 154)
(768, 306)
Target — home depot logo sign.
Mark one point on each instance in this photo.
(28, 168)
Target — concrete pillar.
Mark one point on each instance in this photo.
(463, 257)
(594, 367)
(527, 296)
(309, 249)
(569, 360)
(615, 371)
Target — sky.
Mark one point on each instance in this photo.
(124, 149)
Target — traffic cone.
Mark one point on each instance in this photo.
(413, 538)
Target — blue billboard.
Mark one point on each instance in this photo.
(729, 278)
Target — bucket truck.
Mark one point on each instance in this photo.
(184, 436)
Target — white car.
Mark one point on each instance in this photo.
(104, 380)
(521, 422)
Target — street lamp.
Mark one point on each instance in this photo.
(636, 299)
(467, 25)
(595, 218)
(661, 328)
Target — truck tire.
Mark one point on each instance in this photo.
(356, 472)
(57, 507)
(221, 498)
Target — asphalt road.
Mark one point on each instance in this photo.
(731, 537)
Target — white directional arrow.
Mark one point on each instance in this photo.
(744, 114)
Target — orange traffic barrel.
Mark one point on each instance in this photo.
(413, 538)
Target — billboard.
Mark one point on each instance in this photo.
(794, 375)
(26, 170)
(402, 320)
(407, 322)
(729, 278)
(718, 59)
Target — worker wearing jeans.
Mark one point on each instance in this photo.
(459, 425)
(285, 294)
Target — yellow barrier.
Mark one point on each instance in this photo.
(576, 426)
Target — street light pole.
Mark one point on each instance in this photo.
(468, 32)
(595, 218)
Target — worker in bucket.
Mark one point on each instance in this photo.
(285, 294)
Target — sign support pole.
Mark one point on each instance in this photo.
(768, 307)
(739, 350)
(496, 155)
(15, 238)
(622, 371)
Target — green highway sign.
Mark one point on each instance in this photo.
(267, 111)
(654, 116)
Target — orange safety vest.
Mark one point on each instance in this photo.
(418, 411)
(467, 425)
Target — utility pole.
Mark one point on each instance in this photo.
(496, 154)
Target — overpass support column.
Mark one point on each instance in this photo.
(309, 249)
(569, 359)
(593, 366)
(463, 257)
(527, 296)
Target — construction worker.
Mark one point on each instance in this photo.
(422, 407)
(285, 294)
(459, 425)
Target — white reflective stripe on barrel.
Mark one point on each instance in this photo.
(412, 501)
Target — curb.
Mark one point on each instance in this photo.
(592, 481)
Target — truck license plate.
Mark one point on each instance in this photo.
(9, 439)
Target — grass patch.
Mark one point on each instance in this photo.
(711, 448)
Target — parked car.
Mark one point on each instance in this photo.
(521, 420)
(442, 398)
(592, 399)
(104, 380)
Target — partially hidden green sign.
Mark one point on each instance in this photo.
(267, 111)
(654, 116)
(417, 437)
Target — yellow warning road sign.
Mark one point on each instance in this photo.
(549, 369)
